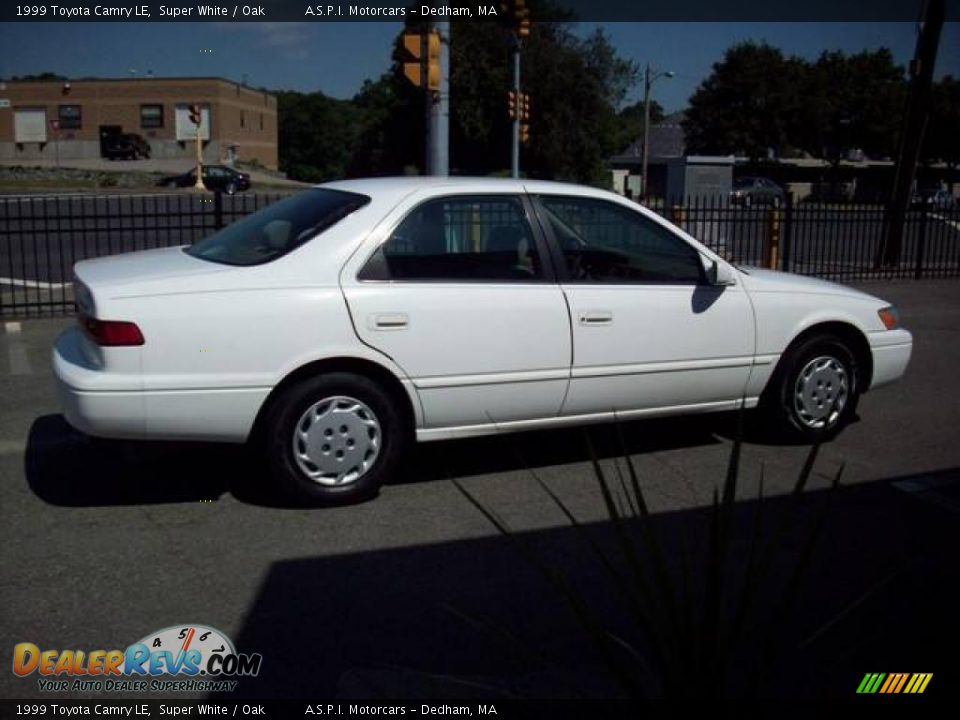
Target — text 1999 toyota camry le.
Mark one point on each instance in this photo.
(337, 325)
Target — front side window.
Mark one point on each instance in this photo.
(465, 238)
(278, 228)
(70, 117)
(151, 116)
(603, 242)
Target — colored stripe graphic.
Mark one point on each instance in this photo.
(894, 683)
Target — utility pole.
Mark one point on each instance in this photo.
(427, 66)
(438, 108)
(515, 128)
(518, 15)
(914, 124)
(649, 76)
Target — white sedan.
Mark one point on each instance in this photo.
(336, 326)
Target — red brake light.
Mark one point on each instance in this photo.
(112, 333)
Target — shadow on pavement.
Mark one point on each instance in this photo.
(65, 467)
(880, 595)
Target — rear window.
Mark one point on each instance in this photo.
(278, 228)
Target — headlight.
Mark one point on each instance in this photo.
(889, 317)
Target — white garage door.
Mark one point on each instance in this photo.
(30, 125)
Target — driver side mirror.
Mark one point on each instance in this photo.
(720, 273)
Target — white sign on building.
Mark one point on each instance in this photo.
(185, 128)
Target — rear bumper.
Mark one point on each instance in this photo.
(90, 402)
(115, 405)
(891, 354)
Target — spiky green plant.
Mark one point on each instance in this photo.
(691, 638)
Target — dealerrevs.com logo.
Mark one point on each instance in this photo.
(201, 658)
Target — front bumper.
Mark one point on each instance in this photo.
(891, 351)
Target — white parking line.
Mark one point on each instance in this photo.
(35, 284)
(16, 350)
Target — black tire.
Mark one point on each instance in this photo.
(230, 188)
(290, 410)
(173, 184)
(823, 359)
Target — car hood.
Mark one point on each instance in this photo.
(143, 268)
(760, 280)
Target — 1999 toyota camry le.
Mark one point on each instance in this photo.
(338, 325)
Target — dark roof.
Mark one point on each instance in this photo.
(667, 140)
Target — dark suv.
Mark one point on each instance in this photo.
(126, 146)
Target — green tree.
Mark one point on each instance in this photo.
(942, 139)
(317, 135)
(747, 104)
(575, 85)
(851, 102)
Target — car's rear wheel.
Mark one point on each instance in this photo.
(816, 389)
(334, 439)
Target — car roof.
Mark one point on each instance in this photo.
(402, 186)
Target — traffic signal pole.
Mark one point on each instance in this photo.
(515, 134)
(438, 109)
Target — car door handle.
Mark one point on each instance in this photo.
(596, 317)
(388, 321)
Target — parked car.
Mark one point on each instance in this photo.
(216, 177)
(932, 199)
(126, 146)
(750, 191)
(336, 326)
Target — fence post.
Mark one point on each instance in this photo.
(678, 215)
(217, 210)
(771, 240)
(786, 236)
(921, 243)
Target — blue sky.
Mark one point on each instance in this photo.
(336, 58)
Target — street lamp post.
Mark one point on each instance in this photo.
(649, 77)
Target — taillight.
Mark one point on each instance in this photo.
(889, 317)
(112, 333)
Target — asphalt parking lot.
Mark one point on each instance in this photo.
(105, 542)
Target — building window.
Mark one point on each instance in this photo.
(261, 121)
(242, 119)
(69, 117)
(151, 116)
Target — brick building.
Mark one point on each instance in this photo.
(70, 119)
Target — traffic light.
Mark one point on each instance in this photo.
(517, 16)
(524, 115)
(423, 70)
(511, 104)
(195, 114)
(521, 14)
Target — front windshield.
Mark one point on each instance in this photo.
(278, 228)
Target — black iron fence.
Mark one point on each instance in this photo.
(42, 237)
(844, 242)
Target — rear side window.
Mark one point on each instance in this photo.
(278, 228)
(461, 238)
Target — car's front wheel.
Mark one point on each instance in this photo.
(815, 391)
(334, 439)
